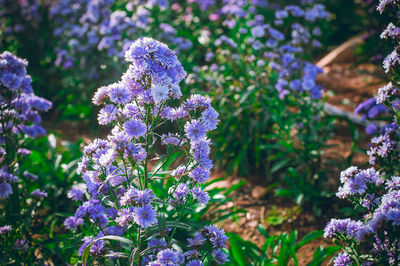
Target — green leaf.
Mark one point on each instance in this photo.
(162, 224)
(235, 187)
(237, 251)
(262, 230)
(279, 165)
(309, 237)
(321, 254)
(283, 192)
(85, 255)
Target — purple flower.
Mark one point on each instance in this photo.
(200, 175)
(195, 130)
(181, 191)
(23, 151)
(347, 227)
(200, 195)
(356, 185)
(137, 197)
(173, 139)
(30, 176)
(76, 193)
(145, 216)
(135, 128)
(393, 183)
(160, 93)
(115, 230)
(195, 263)
(21, 245)
(169, 257)
(342, 259)
(197, 240)
(219, 256)
(38, 193)
(371, 128)
(107, 114)
(73, 222)
(124, 217)
(156, 242)
(209, 118)
(118, 93)
(135, 152)
(393, 215)
(216, 236)
(98, 246)
(5, 190)
(101, 95)
(11, 81)
(5, 229)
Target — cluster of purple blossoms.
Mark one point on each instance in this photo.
(374, 240)
(380, 199)
(116, 168)
(356, 182)
(19, 108)
(27, 12)
(369, 109)
(19, 120)
(209, 235)
(263, 43)
(102, 25)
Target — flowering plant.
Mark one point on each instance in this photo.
(19, 194)
(255, 61)
(374, 239)
(127, 201)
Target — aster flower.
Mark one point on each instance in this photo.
(173, 139)
(200, 195)
(195, 263)
(135, 152)
(5, 190)
(216, 236)
(107, 114)
(197, 240)
(145, 216)
(124, 217)
(4, 229)
(72, 222)
(219, 256)
(157, 242)
(169, 257)
(342, 259)
(101, 95)
(200, 175)
(135, 128)
(39, 193)
(180, 191)
(160, 93)
(195, 130)
(118, 93)
(137, 197)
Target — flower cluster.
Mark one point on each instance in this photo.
(123, 199)
(375, 237)
(88, 26)
(278, 98)
(19, 120)
(27, 12)
(265, 43)
(19, 108)
(374, 240)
